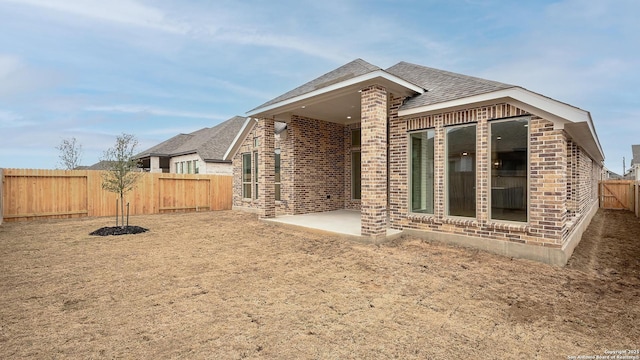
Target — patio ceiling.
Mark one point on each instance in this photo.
(338, 103)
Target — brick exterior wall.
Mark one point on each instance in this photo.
(312, 165)
(374, 161)
(551, 190)
(266, 168)
(318, 175)
(316, 172)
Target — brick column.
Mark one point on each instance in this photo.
(266, 168)
(483, 174)
(374, 161)
(440, 164)
(548, 181)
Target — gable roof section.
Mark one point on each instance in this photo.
(432, 91)
(636, 155)
(349, 77)
(447, 91)
(210, 143)
(441, 85)
(345, 72)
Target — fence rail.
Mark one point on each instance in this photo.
(28, 194)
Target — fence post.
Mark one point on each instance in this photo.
(1, 190)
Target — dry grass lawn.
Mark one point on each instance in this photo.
(225, 285)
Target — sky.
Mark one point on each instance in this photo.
(94, 69)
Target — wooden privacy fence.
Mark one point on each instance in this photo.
(28, 194)
(618, 194)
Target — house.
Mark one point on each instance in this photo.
(634, 172)
(427, 152)
(610, 175)
(100, 165)
(202, 151)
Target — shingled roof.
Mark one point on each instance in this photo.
(210, 143)
(441, 85)
(345, 72)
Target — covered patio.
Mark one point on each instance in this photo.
(342, 222)
(319, 151)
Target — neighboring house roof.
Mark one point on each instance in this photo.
(100, 165)
(636, 155)
(249, 124)
(210, 143)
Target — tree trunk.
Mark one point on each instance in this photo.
(122, 207)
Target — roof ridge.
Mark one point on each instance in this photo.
(451, 73)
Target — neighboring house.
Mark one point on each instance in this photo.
(200, 152)
(635, 163)
(100, 165)
(610, 175)
(446, 156)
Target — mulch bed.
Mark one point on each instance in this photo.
(118, 230)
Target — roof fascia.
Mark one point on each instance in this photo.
(555, 108)
(240, 136)
(338, 86)
(557, 112)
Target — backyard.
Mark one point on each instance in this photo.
(225, 285)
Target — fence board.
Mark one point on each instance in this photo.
(617, 195)
(35, 194)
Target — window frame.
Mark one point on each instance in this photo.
(244, 183)
(490, 171)
(410, 171)
(356, 147)
(447, 209)
(277, 160)
(354, 177)
(255, 174)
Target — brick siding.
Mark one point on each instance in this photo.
(549, 179)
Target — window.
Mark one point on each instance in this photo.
(509, 164)
(277, 177)
(182, 167)
(246, 176)
(422, 172)
(255, 174)
(356, 164)
(176, 166)
(356, 135)
(195, 167)
(461, 170)
(256, 141)
(189, 168)
(356, 179)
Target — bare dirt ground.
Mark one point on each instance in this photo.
(225, 285)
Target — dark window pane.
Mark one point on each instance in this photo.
(509, 164)
(461, 170)
(255, 174)
(422, 172)
(355, 137)
(355, 175)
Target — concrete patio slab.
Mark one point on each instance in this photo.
(342, 222)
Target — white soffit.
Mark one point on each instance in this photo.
(336, 88)
(548, 105)
(577, 122)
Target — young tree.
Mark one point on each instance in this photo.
(121, 168)
(70, 153)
